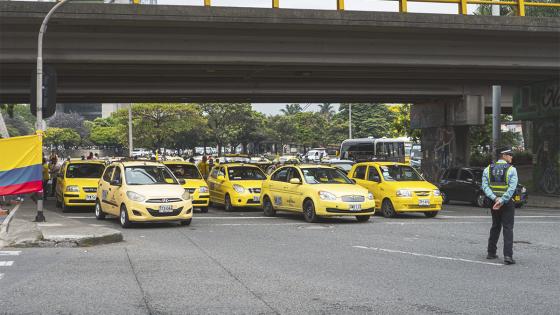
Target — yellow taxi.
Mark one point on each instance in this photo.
(76, 183)
(397, 187)
(142, 191)
(316, 191)
(194, 183)
(236, 185)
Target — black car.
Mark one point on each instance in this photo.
(464, 184)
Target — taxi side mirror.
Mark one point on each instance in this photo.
(221, 178)
(295, 181)
(182, 181)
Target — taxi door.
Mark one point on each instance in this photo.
(294, 192)
(103, 189)
(59, 189)
(359, 175)
(113, 192)
(278, 185)
(374, 186)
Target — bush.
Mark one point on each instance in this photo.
(480, 159)
(522, 158)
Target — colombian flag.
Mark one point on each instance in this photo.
(21, 165)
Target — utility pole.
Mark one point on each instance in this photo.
(39, 125)
(3, 129)
(130, 146)
(349, 121)
(496, 105)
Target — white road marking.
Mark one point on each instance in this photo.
(49, 224)
(466, 222)
(6, 263)
(10, 252)
(225, 218)
(489, 216)
(75, 217)
(427, 255)
(1, 276)
(247, 224)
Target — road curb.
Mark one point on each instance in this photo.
(6, 223)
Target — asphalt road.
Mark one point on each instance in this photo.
(244, 263)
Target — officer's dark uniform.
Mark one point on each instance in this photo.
(499, 182)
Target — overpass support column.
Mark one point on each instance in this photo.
(445, 131)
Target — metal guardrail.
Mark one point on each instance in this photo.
(461, 4)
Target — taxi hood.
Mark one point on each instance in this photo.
(83, 182)
(341, 189)
(195, 183)
(158, 191)
(248, 183)
(412, 185)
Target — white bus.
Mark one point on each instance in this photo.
(371, 149)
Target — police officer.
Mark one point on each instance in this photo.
(499, 183)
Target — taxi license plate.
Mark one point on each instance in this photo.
(91, 197)
(424, 202)
(356, 207)
(256, 198)
(165, 208)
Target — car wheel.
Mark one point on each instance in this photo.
(227, 204)
(444, 197)
(387, 209)
(65, 208)
(186, 222)
(431, 214)
(99, 214)
(204, 210)
(123, 217)
(268, 209)
(309, 212)
(479, 201)
(362, 218)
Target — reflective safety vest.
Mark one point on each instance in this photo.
(498, 175)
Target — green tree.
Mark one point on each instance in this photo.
(368, 119)
(105, 131)
(18, 119)
(280, 129)
(327, 110)
(480, 137)
(61, 137)
(401, 122)
(72, 121)
(292, 109)
(486, 9)
(225, 121)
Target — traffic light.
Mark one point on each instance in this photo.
(49, 91)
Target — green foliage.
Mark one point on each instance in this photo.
(480, 137)
(401, 122)
(368, 120)
(18, 119)
(61, 137)
(486, 9)
(292, 109)
(226, 122)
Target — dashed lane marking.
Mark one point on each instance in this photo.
(226, 218)
(1, 276)
(10, 252)
(49, 224)
(427, 255)
(489, 216)
(6, 263)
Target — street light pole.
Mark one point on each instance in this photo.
(496, 105)
(130, 130)
(349, 121)
(39, 125)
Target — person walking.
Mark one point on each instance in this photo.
(203, 167)
(499, 183)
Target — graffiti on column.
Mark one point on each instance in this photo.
(443, 150)
(548, 152)
(438, 144)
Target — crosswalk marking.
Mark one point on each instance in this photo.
(6, 263)
(1, 276)
(10, 252)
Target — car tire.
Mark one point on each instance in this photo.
(204, 210)
(444, 197)
(362, 218)
(65, 208)
(228, 207)
(123, 217)
(186, 222)
(387, 209)
(99, 214)
(309, 212)
(479, 200)
(431, 214)
(268, 208)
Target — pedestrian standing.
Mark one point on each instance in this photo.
(46, 177)
(499, 183)
(203, 167)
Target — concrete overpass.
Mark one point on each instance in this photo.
(126, 53)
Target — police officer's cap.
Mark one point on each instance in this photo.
(505, 150)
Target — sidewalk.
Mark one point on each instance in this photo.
(544, 201)
(58, 231)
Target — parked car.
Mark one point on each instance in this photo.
(464, 184)
(343, 165)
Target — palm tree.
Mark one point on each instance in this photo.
(326, 109)
(291, 109)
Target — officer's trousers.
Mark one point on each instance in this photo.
(502, 218)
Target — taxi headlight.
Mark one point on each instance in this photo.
(135, 196)
(186, 195)
(203, 189)
(437, 192)
(404, 193)
(370, 196)
(238, 188)
(325, 195)
(73, 188)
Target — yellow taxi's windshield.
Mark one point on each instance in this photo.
(148, 175)
(325, 176)
(84, 170)
(245, 173)
(184, 171)
(399, 173)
